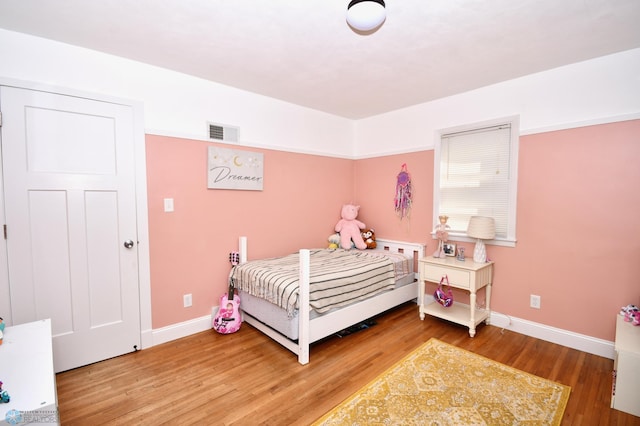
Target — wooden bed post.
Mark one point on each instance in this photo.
(303, 308)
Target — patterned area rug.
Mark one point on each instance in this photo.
(440, 384)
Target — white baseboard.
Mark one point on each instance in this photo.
(179, 330)
(562, 337)
(146, 338)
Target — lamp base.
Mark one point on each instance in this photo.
(480, 252)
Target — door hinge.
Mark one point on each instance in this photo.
(4, 230)
(0, 118)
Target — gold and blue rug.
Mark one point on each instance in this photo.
(440, 384)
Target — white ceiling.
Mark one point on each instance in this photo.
(303, 52)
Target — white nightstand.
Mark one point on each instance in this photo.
(467, 275)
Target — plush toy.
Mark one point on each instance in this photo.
(631, 313)
(369, 237)
(334, 241)
(4, 395)
(349, 228)
(627, 310)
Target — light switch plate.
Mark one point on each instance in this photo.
(168, 204)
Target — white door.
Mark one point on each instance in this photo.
(70, 213)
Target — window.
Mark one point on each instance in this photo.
(476, 174)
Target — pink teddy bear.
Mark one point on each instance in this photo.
(349, 228)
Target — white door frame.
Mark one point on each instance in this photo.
(142, 216)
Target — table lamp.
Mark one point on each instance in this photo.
(482, 228)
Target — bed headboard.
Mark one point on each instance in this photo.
(415, 250)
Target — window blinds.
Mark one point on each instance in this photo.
(475, 176)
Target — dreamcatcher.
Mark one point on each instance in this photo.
(403, 192)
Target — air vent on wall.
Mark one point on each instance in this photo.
(223, 133)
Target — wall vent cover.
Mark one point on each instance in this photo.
(223, 132)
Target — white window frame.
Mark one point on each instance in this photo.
(510, 239)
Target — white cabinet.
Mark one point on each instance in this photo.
(625, 395)
(26, 370)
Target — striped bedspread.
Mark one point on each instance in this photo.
(337, 278)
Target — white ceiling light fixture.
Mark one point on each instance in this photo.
(366, 15)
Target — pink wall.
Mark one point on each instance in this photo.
(375, 185)
(577, 228)
(577, 235)
(189, 248)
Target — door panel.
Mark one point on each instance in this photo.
(103, 250)
(89, 138)
(69, 182)
(51, 278)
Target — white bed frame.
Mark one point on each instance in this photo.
(312, 330)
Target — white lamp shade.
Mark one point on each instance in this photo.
(366, 15)
(482, 227)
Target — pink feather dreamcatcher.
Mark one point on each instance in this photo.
(402, 199)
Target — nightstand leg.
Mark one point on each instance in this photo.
(421, 299)
(488, 302)
(472, 324)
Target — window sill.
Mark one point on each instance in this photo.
(461, 237)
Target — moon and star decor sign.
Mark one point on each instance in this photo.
(234, 169)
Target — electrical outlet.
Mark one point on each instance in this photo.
(187, 300)
(534, 301)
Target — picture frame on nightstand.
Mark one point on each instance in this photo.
(449, 249)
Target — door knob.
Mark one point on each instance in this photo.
(128, 244)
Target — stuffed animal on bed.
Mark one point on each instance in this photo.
(349, 228)
(369, 237)
(334, 241)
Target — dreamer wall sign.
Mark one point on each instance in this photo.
(233, 169)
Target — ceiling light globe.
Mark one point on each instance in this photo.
(366, 15)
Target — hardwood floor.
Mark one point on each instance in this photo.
(247, 379)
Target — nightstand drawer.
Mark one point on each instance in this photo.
(457, 278)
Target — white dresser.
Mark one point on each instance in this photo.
(26, 370)
(625, 395)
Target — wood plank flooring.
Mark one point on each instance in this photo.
(247, 379)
